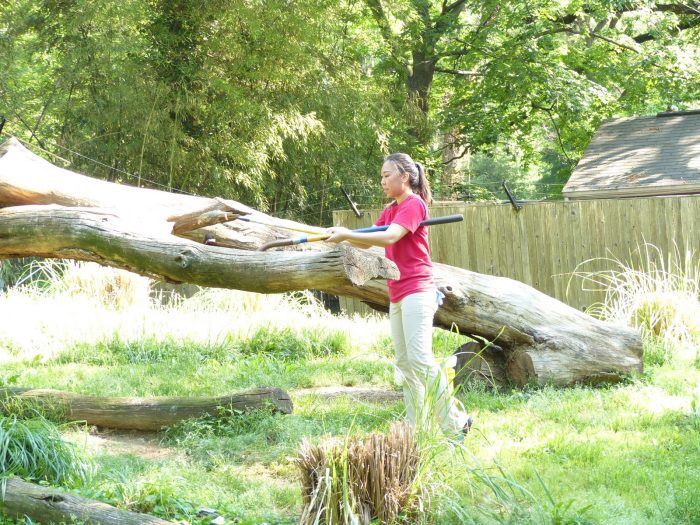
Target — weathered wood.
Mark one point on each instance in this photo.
(93, 234)
(477, 363)
(46, 505)
(543, 340)
(145, 413)
(189, 222)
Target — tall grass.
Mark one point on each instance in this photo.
(111, 286)
(657, 293)
(33, 448)
(80, 306)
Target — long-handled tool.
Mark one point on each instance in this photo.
(320, 237)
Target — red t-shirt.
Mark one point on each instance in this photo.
(411, 253)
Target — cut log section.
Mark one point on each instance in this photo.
(476, 363)
(145, 413)
(543, 341)
(46, 505)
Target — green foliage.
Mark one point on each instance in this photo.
(280, 105)
(695, 409)
(33, 448)
(289, 344)
(228, 422)
(119, 351)
(10, 272)
(156, 491)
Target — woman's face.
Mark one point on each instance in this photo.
(394, 183)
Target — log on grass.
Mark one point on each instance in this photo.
(144, 413)
(46, 505)
(542, 340)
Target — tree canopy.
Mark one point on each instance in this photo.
(283, 103)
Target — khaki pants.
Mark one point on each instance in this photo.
(412, 331)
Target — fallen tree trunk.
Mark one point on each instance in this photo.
(541, 340)
(100, 235)
(46, 505)
(144, 413)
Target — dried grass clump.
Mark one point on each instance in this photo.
(357, 481)
(111, 286)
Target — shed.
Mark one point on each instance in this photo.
(640, 157)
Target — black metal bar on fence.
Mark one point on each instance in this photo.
(518, 206)
(357, 212)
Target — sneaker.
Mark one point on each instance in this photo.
(465, 430)
(467, 426)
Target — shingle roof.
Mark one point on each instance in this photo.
(640, 156)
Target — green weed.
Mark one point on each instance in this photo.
(33, 449)
(293, 344)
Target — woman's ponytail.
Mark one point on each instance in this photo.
(423, 186)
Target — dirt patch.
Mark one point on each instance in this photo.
(146, 445)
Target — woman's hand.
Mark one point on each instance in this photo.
(337, 234)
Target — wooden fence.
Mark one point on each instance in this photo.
(544, 243)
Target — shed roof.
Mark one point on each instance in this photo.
(640, 156)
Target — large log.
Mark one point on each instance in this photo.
(145, 413)
(103, 236)
(46, 505)
(541, 340)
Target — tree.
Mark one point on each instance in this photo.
(527, 74)
(200, 98)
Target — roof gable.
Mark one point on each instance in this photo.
(637, 156)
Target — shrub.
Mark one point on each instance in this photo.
(33, 449)
(656, 293)
(360, 480)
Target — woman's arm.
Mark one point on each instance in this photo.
(364, 240)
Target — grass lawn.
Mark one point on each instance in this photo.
(623, 454)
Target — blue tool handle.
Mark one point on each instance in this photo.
(428, 222)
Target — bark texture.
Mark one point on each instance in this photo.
(145, 413)
(47, 505)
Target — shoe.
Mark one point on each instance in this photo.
(467, 426)
(465, 430)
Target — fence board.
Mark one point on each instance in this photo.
(543, 243)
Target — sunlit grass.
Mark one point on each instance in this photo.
(658, 293)
(50, 319)
(534, 456)
(32, 447)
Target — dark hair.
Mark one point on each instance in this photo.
(416, 174)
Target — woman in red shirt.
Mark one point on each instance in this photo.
(413, 297)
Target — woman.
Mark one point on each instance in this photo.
(413, 297)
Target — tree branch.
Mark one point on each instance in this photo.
(382, 21)
(457, 157)
(604, 38)
(640, 39)
(679, 9)
(458, 72)
(556, 128)
(455, 6)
